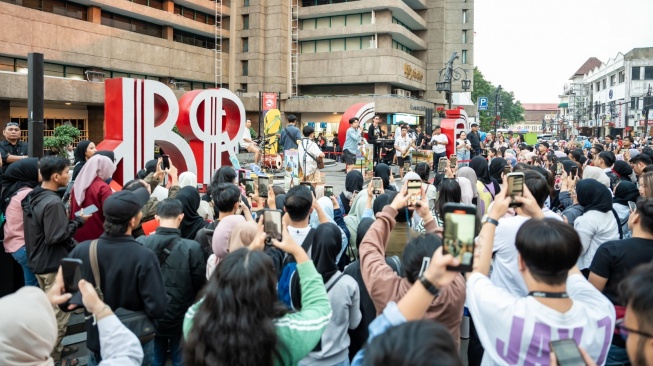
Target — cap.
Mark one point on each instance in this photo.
(474, 124)
(436, 127)
(125, 204)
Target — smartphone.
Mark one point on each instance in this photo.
(272, 225)
(453, 161)
(506, 170)
(458, 238)
(442, 165)
(72, 273)
(574, 171)
(165, 161)
(249, 186)
(559, 169)
(377, 184)
(306, 184)
(515, 187)
(414, 188)
(567, 352)
(328, 191)
(263, 186)
(241, 175)
(87, 211)
(407, 165)
(632, 205)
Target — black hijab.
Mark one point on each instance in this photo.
(108, 154)
(23, 173)
(354, 181)
(479, 164)
(625, 192)
(327, 244)
(568, 164)
(594, 196)
(623, 170)
(192, 222)
(382, 171)
(80, 151)
(496, 168)
(403, 215)
(363, 227)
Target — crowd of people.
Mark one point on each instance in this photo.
(360, 277)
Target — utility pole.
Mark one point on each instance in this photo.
(647, 106)
(496, 109)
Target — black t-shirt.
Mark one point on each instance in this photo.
(615, 259)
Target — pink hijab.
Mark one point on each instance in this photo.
(97, 166)
(222, 233)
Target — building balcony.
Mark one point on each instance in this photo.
(399, 9)
(399, 34)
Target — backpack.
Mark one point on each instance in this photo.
(485, 196)
(288, 293)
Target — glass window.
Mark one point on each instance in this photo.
(598, 86)
(177, 9)
(309, 23)
(201, 17)
(153, 78)
(367, 18)
(308, 47)
(196, 85)
(338, 21)
(635, 73)
(117, 74)
(189, 14)
(137, 76)
(245, 3)
(323, 23)
(75, 73)
(605, 83)
(6, 64)
(463, 57)
(622, 77)
(53, 70)
(245, 65)
(634, 103)
(613, 80)
(338, 44)
(322, 45)
(648, 72)
(21, 66)
(245, 21)
(367, 42)
(464, 36)
(464, 16)
(245, 44)
(353, 19)
(353, 43)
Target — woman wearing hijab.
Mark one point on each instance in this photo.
(592, 172)
(624, 192)
(486, 186)
(189, 179)
(327, 207)
(192, 222)
(89, 189)
(623, 170)
(470, 175)
(242, 236)
(85, 150)
(599, 222)
(221, 239)
(353, 183)
(382, 171)
(344, 297)
(496, 169)
(19, 179)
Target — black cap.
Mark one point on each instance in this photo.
(125, 204)
(474, 124)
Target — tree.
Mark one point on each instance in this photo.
(511, 110)
(62, 137)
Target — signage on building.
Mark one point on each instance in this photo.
(269, 101)
(417, 107)
(412, 74)
(482, 103)
(610, 94)
(141, 113)
(620, 118)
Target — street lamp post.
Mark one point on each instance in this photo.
(450, 74)
(647, 105)
(496, 109)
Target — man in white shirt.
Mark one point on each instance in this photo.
(505, 272)
(561, 304)
(403, 144)
(248, 144)
(439, 141)
(308, 153)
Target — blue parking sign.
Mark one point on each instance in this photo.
(482, 103)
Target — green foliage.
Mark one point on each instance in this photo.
(512, 110)
(62, 137)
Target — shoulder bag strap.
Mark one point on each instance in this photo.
(334, 283)
(308, 241)
(92, 256)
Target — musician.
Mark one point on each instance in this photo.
(422, 140)
(439, 142)
(309, 153)
(403, 144)
(352, 141)
(373, 133)
(248, 144)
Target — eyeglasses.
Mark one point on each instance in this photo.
(624, 331)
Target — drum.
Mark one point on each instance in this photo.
(272, 161)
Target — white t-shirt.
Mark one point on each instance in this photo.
(247, 135)
(505, 270)
(516, 330)
(594, 228)
(442, 140)
(402, 143)
(311, 165)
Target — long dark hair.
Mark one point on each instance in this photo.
(234, 325)
(448, 191)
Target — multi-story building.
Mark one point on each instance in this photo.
(537, 116)
(322, 56)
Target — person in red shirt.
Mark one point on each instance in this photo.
(90, 188)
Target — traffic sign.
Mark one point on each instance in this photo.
(482, 103)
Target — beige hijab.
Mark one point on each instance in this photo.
(28, 329)
(242, 236)
(592, 172)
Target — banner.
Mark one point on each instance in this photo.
(269, 101)
(620, 120)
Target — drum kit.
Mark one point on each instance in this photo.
(269, 160)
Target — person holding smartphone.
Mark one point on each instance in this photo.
(559, 303)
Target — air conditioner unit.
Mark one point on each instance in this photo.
(420, 94)
(399, 92)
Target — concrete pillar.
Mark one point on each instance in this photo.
(94, 14)
(167, 32)
(169, 6)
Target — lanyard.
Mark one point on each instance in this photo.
(549, 295)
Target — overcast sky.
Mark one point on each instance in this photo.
(532, 47)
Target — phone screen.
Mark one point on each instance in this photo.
(87, 211)
(574, 171)
(632, 205)
(272, 223)
(515, 187)
(306, 184)
(377, 183)
(249, 186)
(328, 191)
(241, 175)
(567, 352)
(263, 186)
(407, 165)
(165, 161)
(442, 165)
(72, 272)
(453, 161)
(506, 170)
(458, 238)
(414, 188)
(559, 169)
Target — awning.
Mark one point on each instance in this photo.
(563, 105)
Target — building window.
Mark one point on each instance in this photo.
(245, 65)
(613, 80)
(396, 21)
(156, 4)
(195, 15)
(245, 3)
(193, 39)
(464, 36)
(49, 124)
(337, 44)
(7, 64)
(634, 73)
(131, 24)
(323, 2)
(598, 86)
(464, 16)
(634, 103)
(648, 72)
(622, 77)
(245, 22)
(60, 7)
(463, 57)
(605, 83)
(245, 44)
(398, 46)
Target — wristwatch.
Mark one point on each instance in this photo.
(429, 286)
(487, 218)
